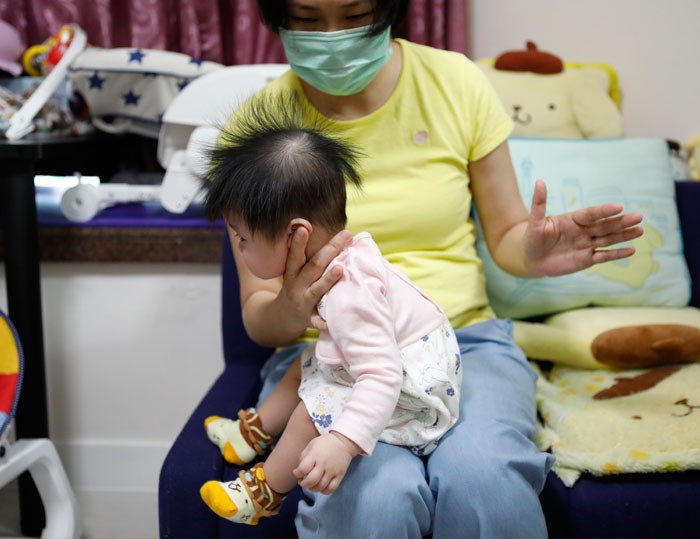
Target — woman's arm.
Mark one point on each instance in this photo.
(277, 311)
(501, 211)
(533, 244)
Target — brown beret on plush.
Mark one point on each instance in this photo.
(532, 59)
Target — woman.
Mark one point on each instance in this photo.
(434, 135)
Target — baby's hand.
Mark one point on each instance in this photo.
(324, 462)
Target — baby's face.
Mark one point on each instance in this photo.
(265, 258)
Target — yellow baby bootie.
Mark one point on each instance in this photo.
(243, 500)
(240, 440)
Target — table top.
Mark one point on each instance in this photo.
(41, 144)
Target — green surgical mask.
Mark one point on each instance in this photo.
(337, 63)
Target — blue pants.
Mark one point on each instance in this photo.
(484, 478)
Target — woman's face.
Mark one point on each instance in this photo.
(329, 15)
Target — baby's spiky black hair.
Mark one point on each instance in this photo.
(272, 166)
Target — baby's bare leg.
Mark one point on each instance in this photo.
(279, 406)
(285, 456)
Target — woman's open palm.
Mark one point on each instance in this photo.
(562, 244)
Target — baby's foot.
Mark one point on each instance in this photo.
(231, 501)
(226, 433)
(241, 440)
(243, 500)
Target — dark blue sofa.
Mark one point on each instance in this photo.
(634, 505)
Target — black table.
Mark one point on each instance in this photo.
(18, 214)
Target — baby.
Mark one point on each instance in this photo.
(387, 368)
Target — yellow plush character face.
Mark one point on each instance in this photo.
(571, 104)
(539, 105)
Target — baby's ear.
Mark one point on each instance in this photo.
(294, 225)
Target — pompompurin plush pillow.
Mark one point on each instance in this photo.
(549, 98)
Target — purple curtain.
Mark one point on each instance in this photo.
(440, 23)
(224, 31)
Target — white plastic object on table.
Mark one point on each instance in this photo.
(82, 202)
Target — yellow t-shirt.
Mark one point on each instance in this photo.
(415, 199)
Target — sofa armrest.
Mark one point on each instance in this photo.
(688, 201)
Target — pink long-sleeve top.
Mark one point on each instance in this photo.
(372, 312)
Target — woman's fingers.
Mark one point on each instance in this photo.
(304, 281)
(608, 255)
(319, 284)
(296, 259)
(329, 251)
(310, 270)
(606, 215)
(612, 238)
(538, 207)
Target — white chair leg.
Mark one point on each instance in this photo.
(40, 458)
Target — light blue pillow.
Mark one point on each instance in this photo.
(635, 172)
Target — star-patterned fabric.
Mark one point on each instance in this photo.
(130, 89)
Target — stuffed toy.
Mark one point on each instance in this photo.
(692, 147)
(614, 337)
(548, 98)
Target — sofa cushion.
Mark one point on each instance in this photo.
(635, 172)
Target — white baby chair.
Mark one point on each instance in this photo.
(38, 456)
(192, 122)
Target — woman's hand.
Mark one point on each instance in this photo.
(277, 311)
(324, 461)
(304, 283)
(576, 240)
